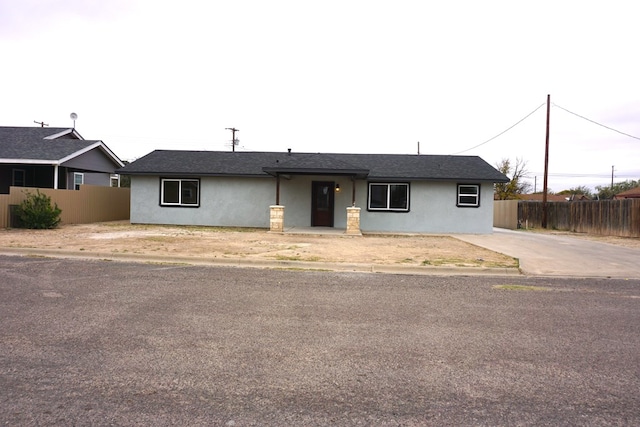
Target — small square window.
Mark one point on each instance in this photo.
(468, 195)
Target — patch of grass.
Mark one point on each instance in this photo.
(458, 262)
(512, 287)
(450, 261)
(296, 258)
(180, 264)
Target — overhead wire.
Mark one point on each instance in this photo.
(593, 121)
(503, 132)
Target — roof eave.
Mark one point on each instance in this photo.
(29, 161)
(358, 173)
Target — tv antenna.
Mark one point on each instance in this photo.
(42, 124)
(73, 116)
(234, 141)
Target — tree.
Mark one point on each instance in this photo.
(607, 192)
(36, 212)
(517, 172)
(580, 190)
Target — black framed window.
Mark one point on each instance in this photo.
(180, 192)
(468, 195)
(19, 178)
(388, 197)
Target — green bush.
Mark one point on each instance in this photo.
(36, 212)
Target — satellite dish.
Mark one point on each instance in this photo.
(73, 116)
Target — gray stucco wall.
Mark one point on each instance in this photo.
(245, 202)
(432, 210)
(223, 202)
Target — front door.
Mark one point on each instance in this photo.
(322, 203)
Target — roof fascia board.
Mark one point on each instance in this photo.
(30, 161)
(63, 133)
(312, 171)
(193, 174)
(413, 178)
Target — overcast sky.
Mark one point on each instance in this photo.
(335, 76)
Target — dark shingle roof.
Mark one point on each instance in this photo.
(260, 164)
(29, 144)
(25, 134)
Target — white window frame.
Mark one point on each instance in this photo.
(76, 185)
(388, 207)
(180, 203)
(476, 195)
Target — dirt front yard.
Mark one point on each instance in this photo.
(231, 243)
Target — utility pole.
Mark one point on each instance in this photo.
(233, 137)
(42, 124)
(546, 167)
(612, 167)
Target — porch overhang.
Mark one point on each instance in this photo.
(280, 171)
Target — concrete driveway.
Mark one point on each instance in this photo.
(561, 255)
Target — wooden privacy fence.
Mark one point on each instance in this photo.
(88, 204)
(603, 217)
(505, 214)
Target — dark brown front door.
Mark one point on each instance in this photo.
(322, 203)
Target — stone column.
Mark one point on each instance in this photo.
(276, 218)
(353, 220)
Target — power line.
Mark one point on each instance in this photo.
(503, 132)
(593, 121)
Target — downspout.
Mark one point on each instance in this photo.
(277, 189)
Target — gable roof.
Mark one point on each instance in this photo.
(537, 197)
(25, 134)
(263, 164)
(36, 145)
(633, 193)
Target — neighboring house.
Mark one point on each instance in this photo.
(395, 193)
(634, 193)
(57, 158)
(537, 197)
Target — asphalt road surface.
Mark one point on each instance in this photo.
(109, 343)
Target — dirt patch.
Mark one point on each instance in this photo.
(232, 243)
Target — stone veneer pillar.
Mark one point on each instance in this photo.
(353, 220)
(276, 218)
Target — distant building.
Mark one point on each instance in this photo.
(634, 193)
(538, 197)
(57, 158)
